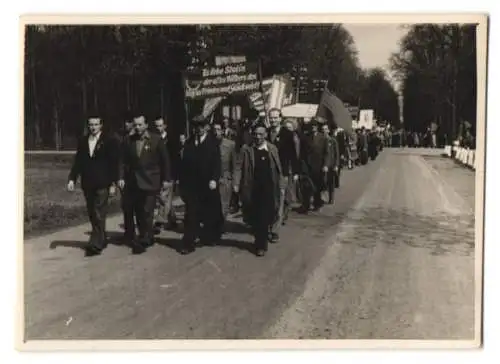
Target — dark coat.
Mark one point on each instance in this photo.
(342, 143)
(285, 143)
(362, 142)
(100, 170)
(244, 176)
(199, 165)
(172, 154)
(314, 153)
(148, 170)
(333, 152)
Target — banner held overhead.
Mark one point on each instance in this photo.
(215, 81)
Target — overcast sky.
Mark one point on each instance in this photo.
(376, 42)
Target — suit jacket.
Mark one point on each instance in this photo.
(285, 143)
(342, 143)
(362, 142)
(199, 165)
(99, 170)
(150, 168)
(172, 161)
(314, 152)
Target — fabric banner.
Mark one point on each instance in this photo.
(277, 92)
(210, 105)
(221, 81)
(333, 110)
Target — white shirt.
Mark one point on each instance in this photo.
(92, 143)
(263, 147)
(202, 139)
(164, 135)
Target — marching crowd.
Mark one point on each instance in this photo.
(259, 168)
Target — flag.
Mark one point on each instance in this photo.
(210, 105)
(333, 110)
(259, 100)
(276, 92)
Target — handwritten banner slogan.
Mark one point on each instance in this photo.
(224, 80)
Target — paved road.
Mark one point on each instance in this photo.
(392, 259)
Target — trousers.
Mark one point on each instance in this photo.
(139, 204)
(97, 206)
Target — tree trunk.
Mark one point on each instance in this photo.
(96, 104)
(456, 45)
(57, 126)
(162, 101)
(36, 118)
(129, 99)
(84, 102)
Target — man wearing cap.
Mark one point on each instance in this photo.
(199, 175)
(314, 154)
(144, 171)
(282, 138)
(259, 179)
(96, 163)
(165, 215)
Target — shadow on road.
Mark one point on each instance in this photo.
(234, 243)
(176, 244)
(68, 244)
(439, 233)
(236, 227)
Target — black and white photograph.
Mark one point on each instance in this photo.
(254, 182)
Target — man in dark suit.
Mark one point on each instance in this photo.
(96, 163)
(199, 175)
(283, 139)
(334, 161)
(144, 171)
(314, 156)
(165, 215)
(363, 146)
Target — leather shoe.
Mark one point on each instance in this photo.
(92, 251)
(186, 251)
(260, 252)
(273, 238)
(138, 249)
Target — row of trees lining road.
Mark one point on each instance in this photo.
(436, 66)
(71, 71)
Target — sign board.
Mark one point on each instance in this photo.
(366, 119)
(223, 80)
(223, 60)
(277, 94)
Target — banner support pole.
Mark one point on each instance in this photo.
(261, 86)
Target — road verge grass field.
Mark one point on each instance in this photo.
(48, 206)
